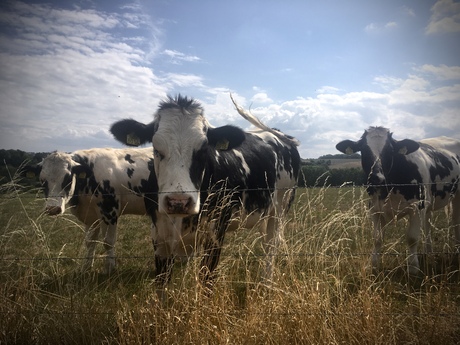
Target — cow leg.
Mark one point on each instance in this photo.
(379, 233)
(427, 231)
(412, 236)
(212, 250)
(164, 261)
(163, 270)
(273, 231)
(92, 234)
(161, 229)
(109, 246)
(271, 242)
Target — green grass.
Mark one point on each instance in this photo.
(322, 290)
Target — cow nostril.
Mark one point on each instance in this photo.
(178, 205)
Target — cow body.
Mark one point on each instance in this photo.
(99, 185)
(223, 176)
(408, 178)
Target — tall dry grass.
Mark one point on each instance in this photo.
(322, 291)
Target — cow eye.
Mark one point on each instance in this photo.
(157, 154)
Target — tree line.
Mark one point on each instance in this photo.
(12, 160)
(314, 172)
(323, 175)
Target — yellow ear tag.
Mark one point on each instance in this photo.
(349, 151)
(82, 175)
(30, 174)
(133, 140)
(222, 145)
(403, 150)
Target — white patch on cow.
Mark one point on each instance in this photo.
(266, 136)
(179, 134)
(54, 168)
(376, 140)
(244, 166)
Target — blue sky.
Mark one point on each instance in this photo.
(321, 71)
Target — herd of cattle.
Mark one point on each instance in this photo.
(218, 178)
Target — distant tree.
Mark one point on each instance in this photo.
(11, 160)
(320, 175)
(341, 156)
(313, 175)
(354, 176)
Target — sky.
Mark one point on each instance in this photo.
(321, 71)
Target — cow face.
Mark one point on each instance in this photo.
(58, 174)
(379, 151)
(182, 142)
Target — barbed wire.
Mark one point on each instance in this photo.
(340, 254)
(19, 190)
(238, 313)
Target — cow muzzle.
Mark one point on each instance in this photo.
(377, 179)
(53, 210)
(181, 204)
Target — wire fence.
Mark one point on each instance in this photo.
(120, 190)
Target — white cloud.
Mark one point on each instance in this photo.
(442, 71)
(408, 11)
(178, 57)
(327, 89)
(373, 28)
(183, 80)
(414, 107)
(445, 17)
(261, 97)
(66, 74)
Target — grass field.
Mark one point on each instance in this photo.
(322, 291)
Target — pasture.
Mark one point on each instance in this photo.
(322, 290)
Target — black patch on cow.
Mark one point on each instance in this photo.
(150, 188)
(258, 186)
(83, 160)
(128, 159)
(66, 183)
(46, 189)
(190, 222)
(225, 137)
(199, 159)
(109, 205)
(130, 172)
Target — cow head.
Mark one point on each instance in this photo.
(183, 141)
(378, 152)
(58, 174)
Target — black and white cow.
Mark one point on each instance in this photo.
(408, 178)
(249, 176)
(99, 185)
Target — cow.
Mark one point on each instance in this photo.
(247, 178)
(408, 178)
(99, 185)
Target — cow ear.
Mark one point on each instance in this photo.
(131, 132)
(31, 171)
(406, 146)
(82, 171)
(226, 137)
(348, 146)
